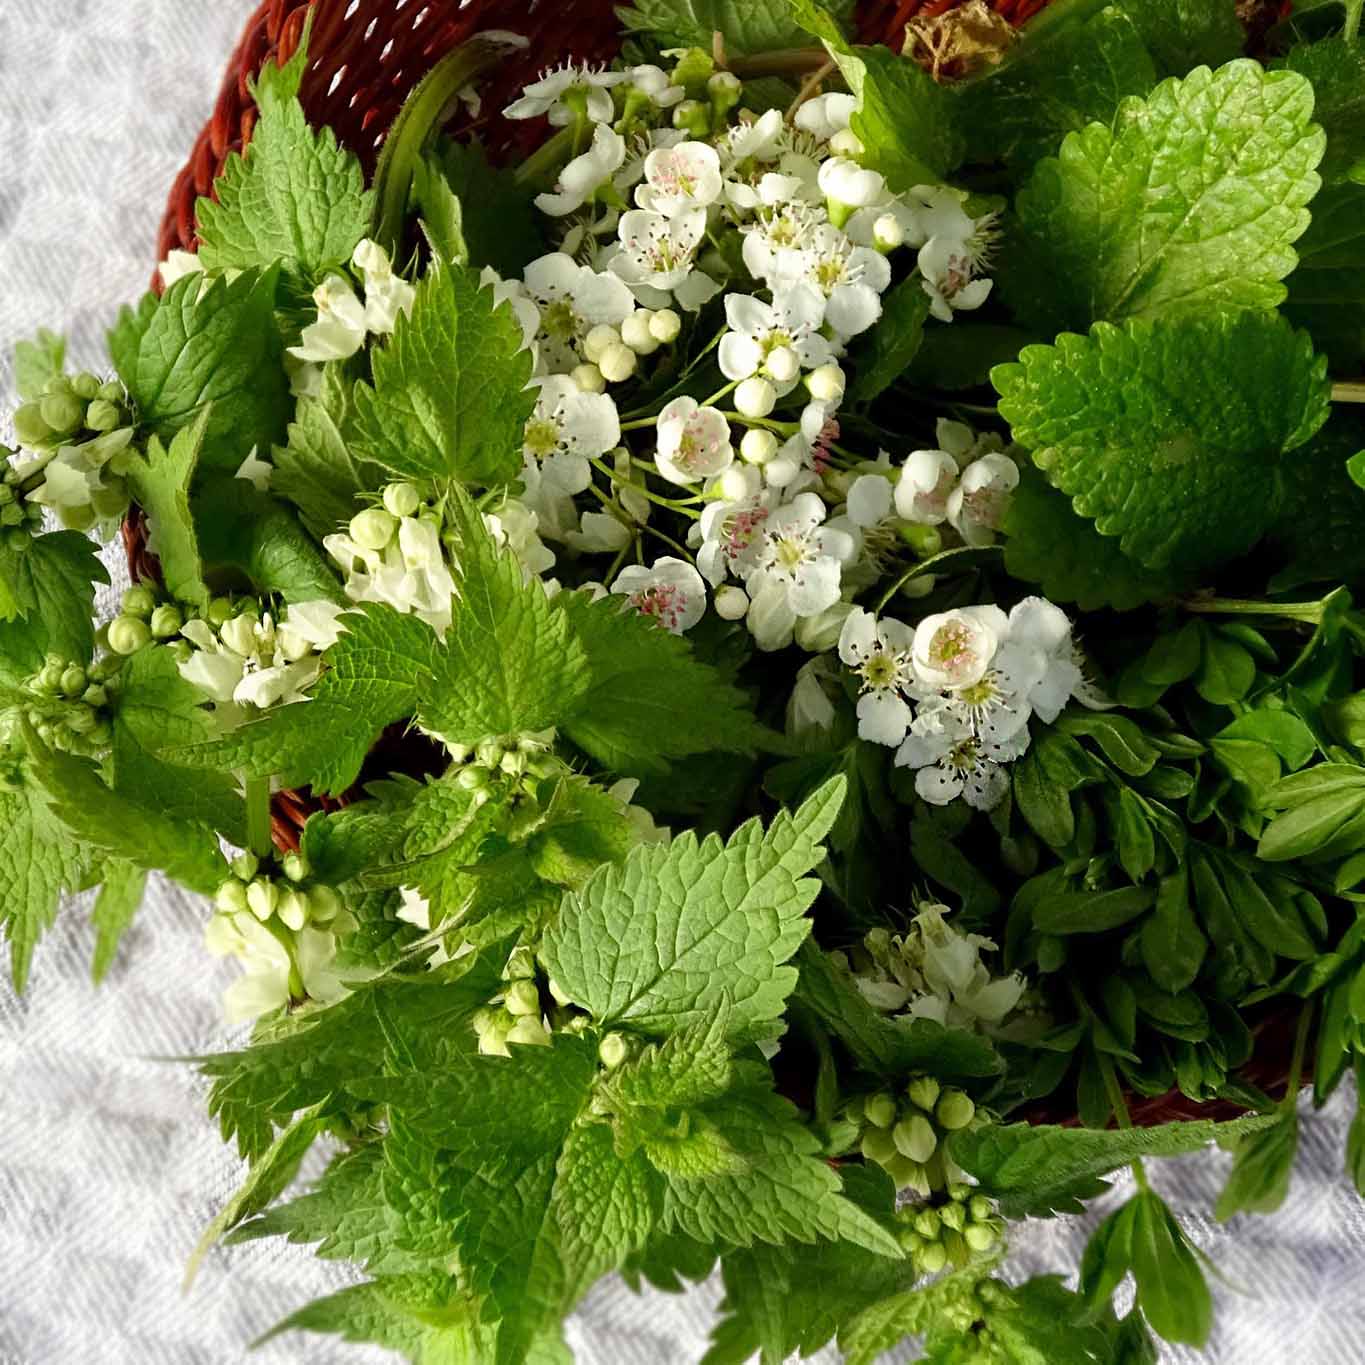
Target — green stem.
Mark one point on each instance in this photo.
(720, 393)
(257, 791)
(1120, 1107)
(1350, 33)
(421, 114)
(1311, 612)
(1291, 1095)
(1349, 390)
(668, 540)
(783, 428)
(672, 504)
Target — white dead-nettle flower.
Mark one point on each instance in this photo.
(567, 92)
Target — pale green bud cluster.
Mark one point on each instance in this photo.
(515, 1015)
(70, 704)
(527, 759)
(962, 1224)
(72, 408)
(283, 897)
(19, 518)
(905, 1136)
(142, 618)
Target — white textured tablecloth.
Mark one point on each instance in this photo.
(109, 1168)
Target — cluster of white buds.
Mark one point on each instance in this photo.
(515, 1014)
(282, 926)
(905, 1136)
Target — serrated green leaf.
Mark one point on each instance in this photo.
(449, 398)
(37, 361)
(751, 27)
(1048, 543)
(293, 196)
(160, 483)
(658, 942)
(1336, 70)
(1183, 34)
(1189, 201)
(53, 586)
(316, 470)
(180, 352)
(1186, 470)
(499, 224)
(121, 890)
(687, 1068)
(38, 861)
(1319, 529)
(1035, 1171)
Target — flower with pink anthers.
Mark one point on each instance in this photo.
(954, 648)
(669, 592)
(683, 177)
(694, 442)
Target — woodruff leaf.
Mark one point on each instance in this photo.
(1188, 202)
(1185, 463)
(449, 398)
(656, 943)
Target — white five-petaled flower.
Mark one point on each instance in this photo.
(779, 228)
(780, 338)
(977, 506)
(685, 176)
(937, 211)
(580, 180)
(947, 269)
(571, 300)
(339, 331)
(694, 442)
(879, 653)
(563, 92)
(655, 257)
(851, 278)
(954, 760)
(797, 569)
(954, 648)
(926, 482)
(730, 532)
(568, 428)
(670, 592)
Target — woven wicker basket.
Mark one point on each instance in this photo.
(365, 58)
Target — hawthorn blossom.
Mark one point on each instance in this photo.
(846, 183)
(778, 230)
(566, 92)
(952, 759)
(879, 653)
(730, 532)
(850, 277)
(670, 592)
(797, 569)
(954, 648)
(653, 82)
(780, 338)
(694, 441)
(655, 257)
(946, 267)
(937, 211)
(685, 176)
(580, 180)
(976, 507)
(824, 115)
(571, 299)
(927, 480)
(568, 429)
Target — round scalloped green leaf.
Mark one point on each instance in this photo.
(1170, 436)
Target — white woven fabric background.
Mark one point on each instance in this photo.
(108, 1166)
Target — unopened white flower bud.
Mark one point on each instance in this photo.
(402, 499)
(636, 333)
(665, 325)
(522, 998)
(239, 635)
(588, 378)
(783, 364)
(755, 396)
(780, 471)
(295, 866)
(292, 909)
(231, 897)
(613, 1050)
(598, 339)
(846, 143)
(887, 233)
(324, 904)
(733, 483)
(373, 528)
(617, 363)
(261, 899)
(732, 603)
(757, 446)
(826, 383)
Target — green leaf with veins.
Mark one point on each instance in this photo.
(160, 482)
(449, 398)
(315, 469)
(1189, 202)
(52, 584)
(1336, 69)
(658, 942)
(37, 361)
(180, 352)
(120, 895)
(1327, 291)
(1184, 465)
(1183, 34)
(294, 196)
(38, 861)
(751, 27)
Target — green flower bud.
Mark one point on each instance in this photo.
(981, 1208)
(324, 903)
(905, 1173)
(106, 669)
(85, 385)
(613, 1050)
(853, 1109)
(529, 1032)
(101, 416)
(111, 392)
(915, 1138)
(12, 514)
(928, 1224)
(909, 1239)
(295, 866)
(880, 1109)
(471, 779)
(95, 695)
(166, 621)
(231, 897)
(402, 499)
(695, 67)
(81, 720)
(77, 518)
(488, 753)
(7, 493)
(61, 411)
(955, 1110)
(954, 1216)
(959, 1191)
(877, 1145)
(932, 1259)
(220, 612)
(521, 965)
(292, 908)
(980, 1236)
(128, 634)
(693, 117)
(924, 541)
(373, 528)
(924, 1092)
(522, 998)
(725, 88)
(483, 1021)
(513, 763)
(30, 427)
(245, 865)
(262, 897)
(49, 677)
(101, 734)
(139, 601)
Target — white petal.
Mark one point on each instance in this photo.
(882, 718)
(858, 638)
(869, 500)
(938, 785)
(739, 355)
(853, 308)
